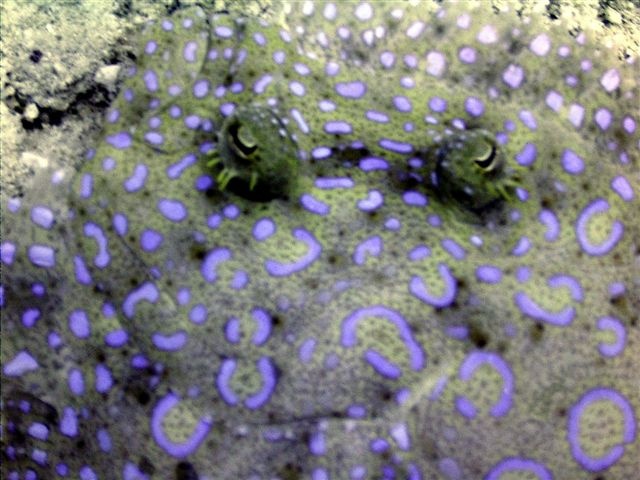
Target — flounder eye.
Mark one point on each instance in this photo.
(470, 170)
(243, 139)
(488, 161)
(256, 156)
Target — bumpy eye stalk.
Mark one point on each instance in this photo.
(256, 156)
(470, 169)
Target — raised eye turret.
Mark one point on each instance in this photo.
(470, 169)
(256, 157)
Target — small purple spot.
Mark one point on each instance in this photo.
(527, 156)
(201, 88)
(513, 76)
(151, 240)
(437, 104)
(338, 127)
(571, 162)
(79, 324)
(623, 188)
(352, 90)
(467, 55)
(190, 51)
(42, 256)
(198, 314)
(414, 199)
(137, 180)
(402, 103)
(173, 210)
(120, 140)
(610, 80)
(151, 80)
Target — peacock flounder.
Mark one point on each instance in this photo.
(364, 240)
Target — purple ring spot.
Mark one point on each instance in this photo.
(475, 360)
(223, 378)
(351, 322)
(313, 205)
(382, 365)
(600, 394)
(615, 326)
(531, 309)
(372, 202)
(550, 220)
(517, 464)
(137, 180)
(147, 291)
(568, 281)
(280, 269)
(211, 262)
(419, 290)
(94, 231)
(598, 206)
(371, 246)
(269, 379)
(191, 444)
(263, 326)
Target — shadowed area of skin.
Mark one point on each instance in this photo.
(368, 242)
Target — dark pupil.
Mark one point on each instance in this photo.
(245, 150)
(486, 163)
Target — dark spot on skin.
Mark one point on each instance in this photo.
(536, 332)
(186, 471)
(290, 471)
(35, 56)
(145, 466)
(478, 337)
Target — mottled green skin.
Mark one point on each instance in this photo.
(552, 365)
